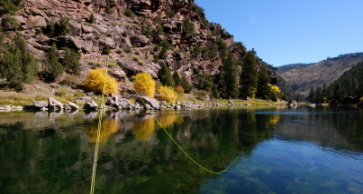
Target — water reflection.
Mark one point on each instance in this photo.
(144, 128)
(108, 128)
(54, 151)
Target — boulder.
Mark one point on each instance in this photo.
(139, 40)
(73, 106)
(40, 104)
(67, 107)
(54, 104)
(107, 42)
(151, 101)
(91, 105)
(86, 98)
(35, 21)
(293, 103)
(230, 104)
(187, 104)
(86, 29)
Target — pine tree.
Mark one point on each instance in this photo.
(185, 84)
(229, 77)
(177, 79)
(311, 95)
(165, 76)
(18, 65)
(71, 61)
(249, 76)
(53, 69)
(263, 88)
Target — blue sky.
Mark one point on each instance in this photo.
(291, 31)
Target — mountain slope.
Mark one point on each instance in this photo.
(303, 77)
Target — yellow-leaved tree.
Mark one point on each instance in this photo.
(144, 84)
(98, 79)
(167, 93)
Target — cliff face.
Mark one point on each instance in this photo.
(140, 34)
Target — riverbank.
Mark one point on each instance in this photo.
(64, 95)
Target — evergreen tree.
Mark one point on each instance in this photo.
(311, 95)
(229, 77)
(53, 69)
(185, 84)
(9, 6)
(177, 79)
(249, 76)
(17, 64)
(108, 7)
(318, 95)
(264, 88)
(71, 61)
(165, 76)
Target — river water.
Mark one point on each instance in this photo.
(304, 150)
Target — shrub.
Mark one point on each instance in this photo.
(99, 81)
(106, 50)
(179, 89)
(144, 84)
(171, 13)
(188, 27)
(60, 28)
(17, 64)
(11, 23)
(167, 93)
(53, 68)
(71, 61)
(185, 84)
(165, 76)
(129, 13)
(10, 6)
(108, 7)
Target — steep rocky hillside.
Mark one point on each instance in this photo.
(141, 35)
(303, 77)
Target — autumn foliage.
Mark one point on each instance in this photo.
(98, 80)
(144, 84)
(167, 93)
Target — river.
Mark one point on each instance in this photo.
(272, 150)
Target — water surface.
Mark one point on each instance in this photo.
(301, 150)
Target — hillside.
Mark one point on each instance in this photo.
(69, 38)
(303, 77)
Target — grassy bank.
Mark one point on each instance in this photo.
(41, 92)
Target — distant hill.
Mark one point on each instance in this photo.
(301, 77)
(288, 67)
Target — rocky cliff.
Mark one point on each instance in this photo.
(141, 35)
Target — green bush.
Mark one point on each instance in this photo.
(59, 28)
(10, 6)
(91, 18)
(129, 13)
(185, 84)
(106, 50)
(71, 61)
(188, 27)
(165, 76)
(18, 65)
(10, 23)
(53, 68)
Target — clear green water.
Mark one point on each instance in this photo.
(301, 150)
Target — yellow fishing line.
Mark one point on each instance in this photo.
(95, 158)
